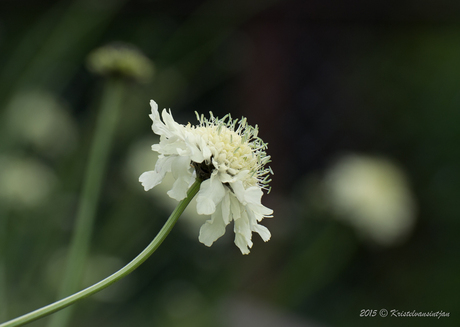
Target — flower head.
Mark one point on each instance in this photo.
(229, 158)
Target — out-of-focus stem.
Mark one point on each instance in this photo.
(106, 122)
(3, 283)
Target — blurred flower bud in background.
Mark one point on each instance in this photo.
(372, 195)
(121, 60)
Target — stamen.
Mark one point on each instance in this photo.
(247, 154)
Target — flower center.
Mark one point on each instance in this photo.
(229, 150)
(234, 147)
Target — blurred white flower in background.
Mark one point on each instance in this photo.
(373, 196)
(39, 118)
(24, 181)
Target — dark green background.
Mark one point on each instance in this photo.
(319, 78)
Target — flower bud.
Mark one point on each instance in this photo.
(121, 60)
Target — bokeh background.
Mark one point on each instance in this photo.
(326, 81)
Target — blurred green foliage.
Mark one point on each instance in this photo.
(349, 84)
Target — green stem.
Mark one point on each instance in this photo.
(130, 267)
(106, 122)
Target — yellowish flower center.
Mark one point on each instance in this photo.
(230, 151)
(235, 147)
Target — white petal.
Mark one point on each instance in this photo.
(157, 148)
(226, 178)
(255, 227)
(195, 153)
(179, 189)
(239, 191)
(235, 207)
(180, 167)
(157, 126)
(181, 171)
(242, 175)
(170, 146)
(152, 178)
(212, 229)
(251, 197)
(263, 231)
(242, 227)
(261, 211)
(226, 216)
(205, 149)
(253, 194)
(241, 244)
(211, 193)
(149, 180)
(154, 106)
(171, 125)
(243, 233)
(230, 176)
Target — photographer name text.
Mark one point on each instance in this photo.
(403, 314)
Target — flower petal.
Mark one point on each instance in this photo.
(253, 194)
(260, 211)
(251, 197)
(243, 233)
(171, 125)
(211, 193)
(212, 229)
(191, 141)
(239, 191)
(157, 126)
(235, 207)
(152, 178)
(205, 149)
(241, 244)
(226, 214)
(170, 146)
(149, 179)
(181, 171)
(263, 231)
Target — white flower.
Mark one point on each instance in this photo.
(40, 119)
(25, 182)
(229, 157)
(373, 196)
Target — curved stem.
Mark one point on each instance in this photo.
(130, 267)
